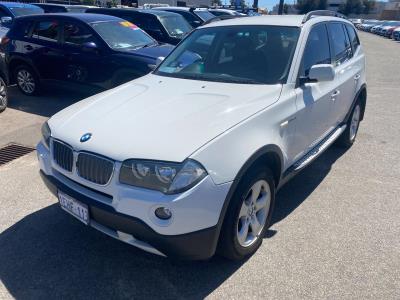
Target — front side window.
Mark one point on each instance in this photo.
(340, 43)
(317, 49)
(204, 15)
(123, 36)
(46, 30)
(76, 34)
(245, 54)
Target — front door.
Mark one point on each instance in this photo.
(314, 99)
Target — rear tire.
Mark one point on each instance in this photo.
(3, 95)
(248, 216)
(348, 137)
(27, 80)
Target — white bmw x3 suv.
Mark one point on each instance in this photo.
(186, 161)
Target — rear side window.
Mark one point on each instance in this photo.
(76, 34)
(317, 49)
(46, 30)
(341, 46)
(355, 42)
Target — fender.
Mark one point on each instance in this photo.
(267, 149)
(20, 59)
(363, 89)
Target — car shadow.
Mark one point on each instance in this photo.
(50, 101)
(49, 254)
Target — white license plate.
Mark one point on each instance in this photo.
(74, 207)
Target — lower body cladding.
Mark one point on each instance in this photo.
(199, 208)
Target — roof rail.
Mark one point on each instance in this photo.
(316, 13)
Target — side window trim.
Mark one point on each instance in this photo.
(333, 58)
(348, 28)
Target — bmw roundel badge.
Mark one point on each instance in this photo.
(85, 137)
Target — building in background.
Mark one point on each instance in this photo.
(391, 10)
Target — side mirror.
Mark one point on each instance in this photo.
(159, 60)
(90, 47)
(6, 20)
(322, 72)
(317, 73)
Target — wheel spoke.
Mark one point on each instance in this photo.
(255, 226)
(243, 210)
(243, 232)
(262, 202)
(256, 190)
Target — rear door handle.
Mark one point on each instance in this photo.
(335, 94)
(357, 77)
(28, 47)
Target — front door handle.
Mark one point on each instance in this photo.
(28, 47)
(357, 77)
(335, 94)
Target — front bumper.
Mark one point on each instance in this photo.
(127, 213)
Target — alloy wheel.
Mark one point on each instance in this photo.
(26, 81)
(355, 120)
(253, 213)
(3, 94)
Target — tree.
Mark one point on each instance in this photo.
(351, 7)
(368, 5)
(89, 2)
(305, 6)
(216, 2)
(285, 9)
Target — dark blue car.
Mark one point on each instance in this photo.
(10, 10)
(83, 49)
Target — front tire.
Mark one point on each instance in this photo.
(27, 80)
(248, 216)
(348, 137)
(3, 95)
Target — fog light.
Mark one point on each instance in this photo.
(163, 213)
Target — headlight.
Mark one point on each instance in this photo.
(166, 177)
(46, 133)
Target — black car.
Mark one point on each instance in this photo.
(194, 16)
(3, 85)
(90, 49)
(61, 8)
(165, 27)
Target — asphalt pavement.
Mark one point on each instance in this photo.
(336, 231)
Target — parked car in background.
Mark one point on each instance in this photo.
(396, 34)
(10, 10)
(164, 26)
(368, 24)
(83, 49)
(187, 160)
(224, 12)
(356, 22)
(387, 31)
(194, 16)
(3, 85)
(61, 8)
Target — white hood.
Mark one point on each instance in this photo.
(159, 118)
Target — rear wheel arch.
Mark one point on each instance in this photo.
(16, 62)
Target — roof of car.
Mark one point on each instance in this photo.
(85, 17)
(135, 10)
(274, 20)
(177, 8)
(61, 5)
(15, 4)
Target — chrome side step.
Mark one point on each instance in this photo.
(316, 151)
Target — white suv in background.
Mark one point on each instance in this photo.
(187, 160)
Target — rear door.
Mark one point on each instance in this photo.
(314, 99)
(347, 72)
(44, 48)
(83, 64)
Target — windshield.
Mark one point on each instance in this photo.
(204, 14)
(27, 10)
(235, 54)
(122, 35)
(176, 25)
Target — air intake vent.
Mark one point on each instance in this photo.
(13, 151)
